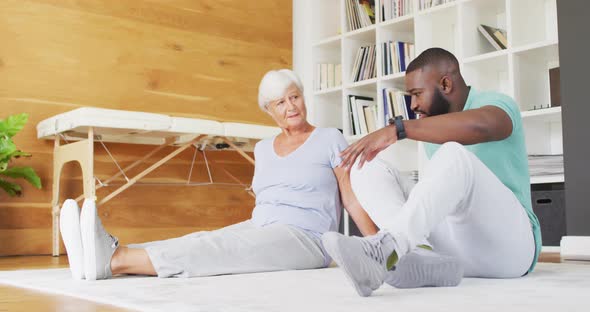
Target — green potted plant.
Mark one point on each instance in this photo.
(8, 128)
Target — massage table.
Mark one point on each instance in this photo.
(80, 128)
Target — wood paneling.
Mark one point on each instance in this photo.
(200, 59)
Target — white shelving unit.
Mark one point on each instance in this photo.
(521, 70)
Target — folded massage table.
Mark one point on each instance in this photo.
(80, 128)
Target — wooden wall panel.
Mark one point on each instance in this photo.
(190, 58)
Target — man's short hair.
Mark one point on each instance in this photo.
(431, 56)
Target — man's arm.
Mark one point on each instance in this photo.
(488, 123)
(485, 124)
(351, 204)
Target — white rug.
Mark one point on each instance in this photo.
(552, 287)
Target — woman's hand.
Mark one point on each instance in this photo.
(368, 147)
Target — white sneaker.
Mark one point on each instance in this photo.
(69, 227)
(99, 246)
(425, 268)
(363, 260)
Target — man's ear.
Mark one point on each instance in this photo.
(446, 84)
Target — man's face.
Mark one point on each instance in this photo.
(427, 99)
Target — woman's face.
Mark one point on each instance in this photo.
(289, 111)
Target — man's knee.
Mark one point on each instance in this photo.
(451, 151)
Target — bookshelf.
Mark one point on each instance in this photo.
(521, 70)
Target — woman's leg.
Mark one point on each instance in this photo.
(132, 261)
(244, 249)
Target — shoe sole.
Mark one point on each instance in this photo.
(87, 223)
(332, 246)
(69, 227)
(420, 271)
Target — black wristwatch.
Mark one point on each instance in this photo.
(399, 126)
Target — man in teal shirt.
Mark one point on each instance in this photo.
(473, 198)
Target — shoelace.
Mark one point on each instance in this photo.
(373, 250)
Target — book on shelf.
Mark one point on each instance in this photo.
(396, 103)
(397, 55)
(543, 165)
(364, 64)
(391, 9)
(328, 76)
(362, 111)
(360, 13)
(338, 75)
(323, 76)
(495, 36)
(554, 87)
(427, 4)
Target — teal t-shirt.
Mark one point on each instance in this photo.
(507, 158)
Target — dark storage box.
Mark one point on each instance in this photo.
(549, 206)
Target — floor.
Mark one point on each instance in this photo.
(17, 299)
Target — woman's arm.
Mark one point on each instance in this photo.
(351, 204)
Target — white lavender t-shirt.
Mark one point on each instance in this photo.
(299, 189)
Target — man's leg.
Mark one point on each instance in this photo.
(459, 188)
(468, 213)
(382, 191)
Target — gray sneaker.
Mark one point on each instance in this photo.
(425, 268)
(69, 227)
(99, 246)
(363, 260)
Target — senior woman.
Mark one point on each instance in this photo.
(299, 194)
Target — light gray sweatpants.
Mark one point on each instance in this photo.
(239, 248)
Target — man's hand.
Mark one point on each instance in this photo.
(368, 147)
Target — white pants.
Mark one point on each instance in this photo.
(239, 248)
(459, 205)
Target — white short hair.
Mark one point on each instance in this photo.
(274, 84)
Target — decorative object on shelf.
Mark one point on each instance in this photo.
(495, 36)
(8, 128)
(391, 9)
(554, 87)
(360, 13)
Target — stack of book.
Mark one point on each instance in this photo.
(396, 103)
(364, 64)
(328, 76)
(360, 13)
(391, 9)
(396, 56)
(542, 165)
(362, 114)
(412, 175)
(495, 36)
(427, 4)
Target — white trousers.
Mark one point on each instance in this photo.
(459, 205)
(239, 248)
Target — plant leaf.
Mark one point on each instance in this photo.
(11, 188)
(24, 172)
(7, 147)
(13, 124)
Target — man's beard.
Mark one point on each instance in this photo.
(440, 105)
